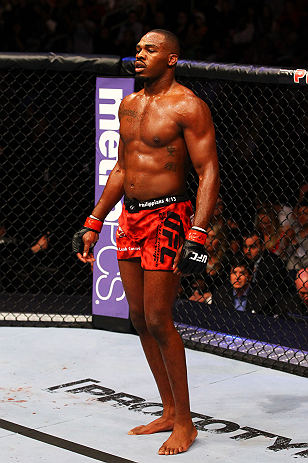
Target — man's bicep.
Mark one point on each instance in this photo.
(199, 135)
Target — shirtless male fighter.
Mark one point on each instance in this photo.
(164, 129)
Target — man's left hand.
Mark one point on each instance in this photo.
(192, 257)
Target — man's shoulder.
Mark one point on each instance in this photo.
(131, 97)
(185, 96)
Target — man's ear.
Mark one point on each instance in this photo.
(173, 59)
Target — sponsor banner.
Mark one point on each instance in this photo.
(108, 294)
(226, 429)
(299, 76)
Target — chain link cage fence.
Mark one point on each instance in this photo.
(257, 236)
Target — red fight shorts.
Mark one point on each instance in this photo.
(152, 230)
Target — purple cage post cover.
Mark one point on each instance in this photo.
(108, 294)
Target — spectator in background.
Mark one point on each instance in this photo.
(196, 33)
(132, 25)
(199, 26)
(290, 12)
(266, 199)
(228, 227)
(84, 31)
(302, 210)
(103, 43)
(160, 21)
(269, 270)
(239, 293)
(265, 22)
(225, 20)
(304, 187)
(181, 30)
(301, 284)
(294, 305)
(128, 45)
(19, 260)
(286, 42)
(299, 259)
(275, 237)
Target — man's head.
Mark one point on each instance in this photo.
(253, 246)
(302, 212)
(301, 283)
(241, 274)
(156, 54)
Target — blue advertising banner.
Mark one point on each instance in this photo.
(108, 294)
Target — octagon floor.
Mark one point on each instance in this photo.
(71, 395)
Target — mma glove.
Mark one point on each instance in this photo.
(91, 224)
(193, 257)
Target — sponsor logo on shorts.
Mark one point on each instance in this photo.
(128, 249)
(157, 202)
(170, 228)
(120, 233)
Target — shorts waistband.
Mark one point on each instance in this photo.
(134, 205)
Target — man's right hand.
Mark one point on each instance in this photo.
(83, 243)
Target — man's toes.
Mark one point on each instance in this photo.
(135, 431)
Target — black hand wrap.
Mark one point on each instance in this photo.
(77, 242)
(194, 257)
(89, 225)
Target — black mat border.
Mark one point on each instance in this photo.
(62, 443)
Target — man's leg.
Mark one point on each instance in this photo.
(160, 289)
(132, 276)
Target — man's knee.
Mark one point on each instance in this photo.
(137, 318)
(158, 326)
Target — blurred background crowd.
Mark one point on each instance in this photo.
(261, 32)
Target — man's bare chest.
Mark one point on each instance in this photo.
(153, 124)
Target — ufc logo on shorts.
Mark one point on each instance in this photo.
(198, 258)
(172, 227)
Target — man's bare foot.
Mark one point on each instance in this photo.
(159, 425)
(179, 441)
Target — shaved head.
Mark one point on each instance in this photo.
(170, 40)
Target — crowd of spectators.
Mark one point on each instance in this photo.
(261, 32)
(263, 270)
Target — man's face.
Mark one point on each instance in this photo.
(301, 283)
(218, 208)
(211, 242)
(253, 247)
(302, 215)
(265, 223)
(240, 278)
(152, 57)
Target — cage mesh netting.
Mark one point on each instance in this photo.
(47, 151)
